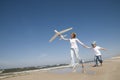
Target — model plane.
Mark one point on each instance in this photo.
(59, 33)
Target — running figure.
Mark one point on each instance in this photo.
(98, 55)
(74, 49)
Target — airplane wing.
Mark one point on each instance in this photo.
(53, 37)
(65, 30)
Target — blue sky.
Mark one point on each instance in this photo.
(27, 25)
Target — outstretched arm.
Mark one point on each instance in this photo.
(82, 44)
(102, 48)
(62, 37)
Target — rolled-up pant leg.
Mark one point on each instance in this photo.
(96, 60)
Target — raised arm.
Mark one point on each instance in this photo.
(62, 37)
(82, 44)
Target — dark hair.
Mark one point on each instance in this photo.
(93, 45)
(74, 35)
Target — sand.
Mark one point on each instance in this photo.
(109, 71)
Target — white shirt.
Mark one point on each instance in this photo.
(97, 50)
(73, 42)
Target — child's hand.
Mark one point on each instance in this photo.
(87, 47)
(104, 49)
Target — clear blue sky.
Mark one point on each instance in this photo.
(27, 25)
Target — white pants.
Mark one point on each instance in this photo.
(74, 56)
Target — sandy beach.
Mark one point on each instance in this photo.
(109, 71)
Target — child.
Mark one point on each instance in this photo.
(98, 55)
(74, 49)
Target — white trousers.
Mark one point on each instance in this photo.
(74, 56)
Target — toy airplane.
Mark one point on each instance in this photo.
(59, 33)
